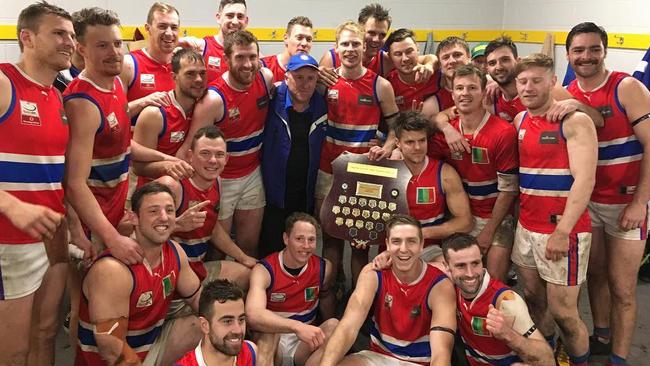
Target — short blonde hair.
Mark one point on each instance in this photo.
(161, 7)
(535, 60)
(351, 26)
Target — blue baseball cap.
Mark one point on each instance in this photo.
(301, 60)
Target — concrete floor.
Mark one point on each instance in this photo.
(639, 354)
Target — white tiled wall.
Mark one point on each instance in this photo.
(627, 16)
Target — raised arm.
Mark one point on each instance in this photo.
(355, 314)
(389, 110)
(566, 104)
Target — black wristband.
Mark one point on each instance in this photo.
(442, 329)
(530, 331)
(640, 119)
(193, 293)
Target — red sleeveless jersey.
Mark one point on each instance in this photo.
(195, 243)
(273, 63)
(481, 348)
(353, 114)
(153, 291)
(544, 176)
(376, 63)
(246, 356)
(242, 123)
(108, 179)
(294, 297)
(619, 150)
(175, 125)
(148, 76)
(445, 100)
(215, 61)
(33, 139)
(407, 94)
(494, 150)
(425, 196)
(402, 317)
(507, 109)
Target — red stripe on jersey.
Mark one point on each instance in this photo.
(544, 176)
(108, 180)
(294, 297)
(353, 114)
(34, 136)
(425, 196)
(242, 124)
(153, 291)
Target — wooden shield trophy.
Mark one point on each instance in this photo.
(364, 195)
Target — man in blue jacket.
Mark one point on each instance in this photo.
(295, 129)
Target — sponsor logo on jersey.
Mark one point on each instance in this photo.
(333, 95)
(145, 300)
(233, 113)
(278, 297)
(29, 113)
(365, 100)
(399, 99)
(113, 123)
(388, 301)
(177, 136)
(214, 62)
(416, 311)
(262, 101)
(505, 116)
(549, 138)
(147, 81)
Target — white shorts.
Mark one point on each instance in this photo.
(22, 267)
(378, 359)
(529, 252)
(287, 347)
(323, 184)
(245, 193)
(505, 234)
(606, 215)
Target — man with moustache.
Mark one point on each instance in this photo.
(231, 17)
(33, 138)
(147, 73)
(355, 107)
(237, 102)
(410, 94)
(287, 291)
(489, 172)
(293, 137)
(297, 39)
(165, 128)
(414, 319)
(223, 324)
(618, 205)
(556, 177)
(121, 318)
(501, 56)
(493, 320)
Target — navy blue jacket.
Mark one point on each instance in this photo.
(277, 145)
